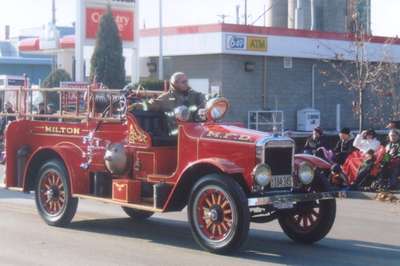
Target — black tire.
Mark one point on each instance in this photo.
(223, 226)
(53, 197)
(305, 224)
(137, 214)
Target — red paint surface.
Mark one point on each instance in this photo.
(29, 45)
(124, 20)
(67, 42)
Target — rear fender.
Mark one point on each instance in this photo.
(70, 154)
(312, 160)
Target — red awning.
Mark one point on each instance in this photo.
(67, 42)
(31, 44)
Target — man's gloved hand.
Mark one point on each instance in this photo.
(136, 106)
(202, 113)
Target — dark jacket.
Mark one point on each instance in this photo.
(312, 144)
(344, 146)
(343, 149)
(168, 101)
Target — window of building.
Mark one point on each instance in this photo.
(287, 62)
(16, 82)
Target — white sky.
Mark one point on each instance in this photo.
(32, 13)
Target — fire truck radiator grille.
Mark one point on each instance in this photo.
(279, 159)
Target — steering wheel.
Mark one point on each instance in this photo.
(121, 106)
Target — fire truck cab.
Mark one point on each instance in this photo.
(226, 175)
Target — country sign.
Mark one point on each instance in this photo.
(123, 18)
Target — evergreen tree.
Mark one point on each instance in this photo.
(53, 80)
(108, 63)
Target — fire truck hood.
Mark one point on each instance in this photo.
(232, 133)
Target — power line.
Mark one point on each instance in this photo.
(263, 14)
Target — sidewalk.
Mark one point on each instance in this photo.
(1, 174)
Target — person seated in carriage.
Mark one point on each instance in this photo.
(394, 124)
(344, 146)
(316, 145)
(390, 163)
(361, 162)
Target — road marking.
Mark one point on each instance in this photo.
(376, 247)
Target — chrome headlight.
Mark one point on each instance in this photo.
(216, 108)
(116, 159)
(306, 173)
(262, 175)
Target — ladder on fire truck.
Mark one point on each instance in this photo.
(75, 104)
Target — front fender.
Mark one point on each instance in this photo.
(312, 160)
(192, 173)
(223, 165)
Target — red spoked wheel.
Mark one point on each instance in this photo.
(309, 221)
(53, 195)
(218, 214)
(215, 216)
(308, 218)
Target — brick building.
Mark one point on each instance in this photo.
(264, 68)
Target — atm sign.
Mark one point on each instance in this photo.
(257, 44)
(246, 43)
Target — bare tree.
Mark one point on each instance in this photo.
(361, 75)
(389, 82)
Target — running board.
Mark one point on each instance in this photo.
(16, 189)
(123, 204)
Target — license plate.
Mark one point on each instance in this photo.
(281, 181)
(283, 205)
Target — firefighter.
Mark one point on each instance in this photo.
(179, 94)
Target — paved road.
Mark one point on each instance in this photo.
(365, 233)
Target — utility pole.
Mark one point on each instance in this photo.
(53, 12)
(238, 14)
(245, 12)
(223, 17)
(161, 58)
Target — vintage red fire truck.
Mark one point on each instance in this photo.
(226, 175)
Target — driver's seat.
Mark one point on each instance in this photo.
(156, 124)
